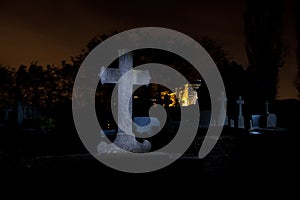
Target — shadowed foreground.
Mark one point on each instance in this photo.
(238, 159)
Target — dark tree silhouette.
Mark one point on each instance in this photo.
(298, 44)
(36, 79)
(7, 84)
(21, 83)
(264, 46)
(218, 53)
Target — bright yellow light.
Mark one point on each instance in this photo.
(186, 96)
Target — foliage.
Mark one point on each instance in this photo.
(298, 47)
(47, 123)
(264, 46)
(7, 84)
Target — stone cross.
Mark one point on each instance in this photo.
(112, 75)
(125, 138)
(267, 107)
(27, 112)
(241, 123)
(125, 64)
(7, 110)
(271, 121)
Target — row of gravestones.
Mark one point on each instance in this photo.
(25, 113)
(148, 125)
(255, 121)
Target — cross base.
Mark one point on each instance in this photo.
(122, 143)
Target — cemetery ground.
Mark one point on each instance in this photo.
(237, 159)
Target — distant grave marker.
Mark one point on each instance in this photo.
(241, 123)
(231, 123)
(223, 100)
(271, 118)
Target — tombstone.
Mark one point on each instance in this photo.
(5, 116)
(241, 123)
(271, 121)
(271, 118)
(213, 122)
(26, 112)
(107, 132)
(226, 123)
(231, 123)
(28, 116)
(255, 122)
(125, 139)
(205, 116)
(145, 124)
(223, 100)
(6, 113)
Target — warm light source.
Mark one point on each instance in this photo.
(186, 96)
(196, 84)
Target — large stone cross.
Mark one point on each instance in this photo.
(139, 77)
(112, 75)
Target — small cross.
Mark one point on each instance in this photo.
(223, 99)
(240, 102)
(267, 106)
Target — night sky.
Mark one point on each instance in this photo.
(51, 31)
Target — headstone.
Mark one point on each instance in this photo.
(231, 123)
(271, 118)
(255, 121)
(125, 139)
(107, 132)
(271, 121)
(27, 112)
(205, 116)
(146, 124)
(213, 122)
(6, 112)
(241, 123)
(226, 123)
(223, 100)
